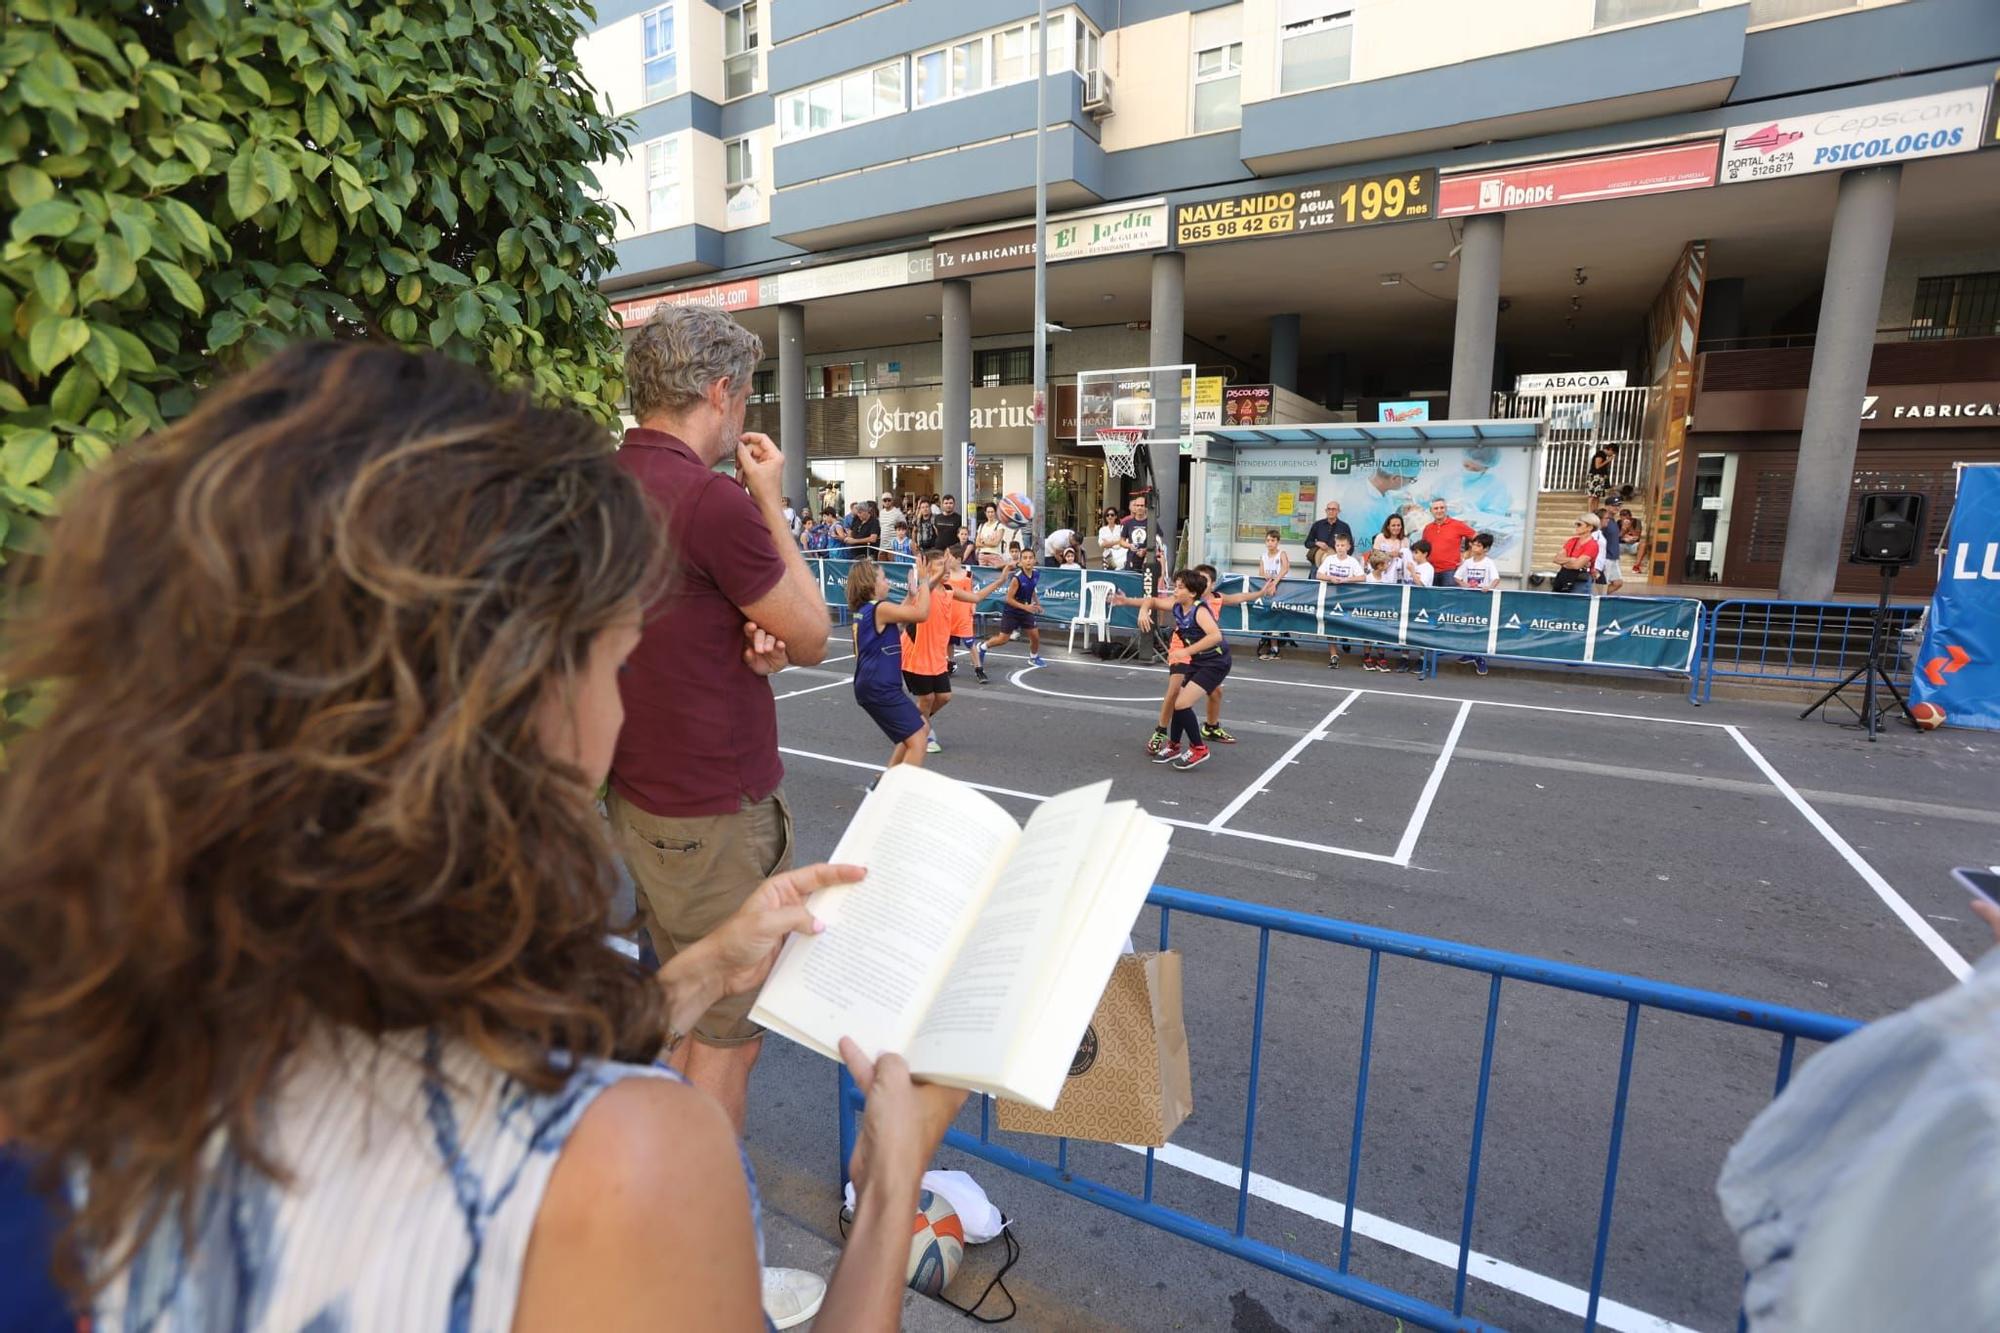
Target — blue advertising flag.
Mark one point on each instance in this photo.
(1958, 668)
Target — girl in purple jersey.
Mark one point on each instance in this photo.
(878, 657)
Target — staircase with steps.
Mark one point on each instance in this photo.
(1555, 513)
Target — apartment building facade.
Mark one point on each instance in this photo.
(1353, 201)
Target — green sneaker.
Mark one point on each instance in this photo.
(1217, 735)
(1158, 741)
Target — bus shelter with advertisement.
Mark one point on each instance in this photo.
(1247, 480)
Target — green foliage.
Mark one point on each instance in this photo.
(189, 186)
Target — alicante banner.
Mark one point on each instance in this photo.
(1641, 633)
(1958, 667)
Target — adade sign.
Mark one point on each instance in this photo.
(1359, 201)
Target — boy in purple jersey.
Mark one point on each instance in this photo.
(1017, 616)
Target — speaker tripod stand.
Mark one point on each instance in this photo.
(1870, 673)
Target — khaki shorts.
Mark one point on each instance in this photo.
(692, 874)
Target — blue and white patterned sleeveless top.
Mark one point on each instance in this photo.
(417, 1170)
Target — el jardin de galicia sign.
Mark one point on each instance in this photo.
(1122, 229)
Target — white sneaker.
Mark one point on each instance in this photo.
(792, 1296)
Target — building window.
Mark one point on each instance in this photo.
(838, 380)
(1218, 88)
(1003, 365)
(763, 386)
(1613, 12)
(663, 184)
(1004, 56)
(1315, 46)
(739, 51)
(659, 61)
(739, 168)
(1962, 305)
(865, 94)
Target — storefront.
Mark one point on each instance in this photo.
(1930, 406)
(1248, 481)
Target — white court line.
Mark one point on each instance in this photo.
(1908, 915)
(822, 662)
(1484, 1267)
(1177, 823)
(1392, 694)
(1318, 732)
(811, 689)
(1436, 779)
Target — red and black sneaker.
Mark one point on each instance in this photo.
(1194, 756)
(1169, 753)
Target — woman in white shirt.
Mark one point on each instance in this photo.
(1340, 567)
(1394, 538)
(1109, 539)
(991, 539)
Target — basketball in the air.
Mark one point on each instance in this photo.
(1928, 717)
(937, 1245)
(1017, 510)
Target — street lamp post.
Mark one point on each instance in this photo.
(1038, 464)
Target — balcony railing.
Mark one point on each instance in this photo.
(1903, 333)
(1576, 425)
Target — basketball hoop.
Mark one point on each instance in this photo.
(1121, 448)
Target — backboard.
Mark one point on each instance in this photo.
(1155, 400)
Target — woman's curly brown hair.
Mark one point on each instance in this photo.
(292, 775)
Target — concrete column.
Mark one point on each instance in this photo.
(792, 405)
(1477, 327)
(1285, 352)
(956, 323)
(1167, 347)
(1864, 218)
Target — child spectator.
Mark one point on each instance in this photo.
(1417, 571)
(901, 545)
(819, 537)
(1276, 564)
(1478, 573)
(1380, 571)
(1340, 566)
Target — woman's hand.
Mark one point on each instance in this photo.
(737, 955)
(903, 1124)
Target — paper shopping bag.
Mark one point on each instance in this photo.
(1129, 1081)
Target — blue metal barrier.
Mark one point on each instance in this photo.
(1790, 1025)
(1802, 643)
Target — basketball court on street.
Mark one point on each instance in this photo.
(1731, 847)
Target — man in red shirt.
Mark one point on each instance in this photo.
(1447, 536)
(695, 802)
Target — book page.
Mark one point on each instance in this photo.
(932, 848)
(983, 999)
(1111, 888)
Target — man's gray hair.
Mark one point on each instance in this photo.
(680, 352)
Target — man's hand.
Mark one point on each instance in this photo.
(746, 945)
(763, 653)
(761, 465)
(1988, 913)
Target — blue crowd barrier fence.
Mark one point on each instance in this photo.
(1803, 643)
(1635, 994)
(1632, 633)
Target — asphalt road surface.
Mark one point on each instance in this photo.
(1629, 832)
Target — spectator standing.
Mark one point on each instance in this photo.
(991, 539)
(1393, 540)
(1578, 564)
(1447, 536)
(1340, 566)
(946, 525)
(1141, 540)
(1478, 573)
(1320, 537)
(890, 513)
(791, 517)
(1059, 541)
(820, 536)
(1382, 570)
(1608, 566)
(900, 544)
(864, 532)
(1110, 533)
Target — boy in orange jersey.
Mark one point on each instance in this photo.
(927, 661)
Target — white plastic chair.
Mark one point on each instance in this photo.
(1095, 617)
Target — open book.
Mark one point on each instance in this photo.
(975, 948)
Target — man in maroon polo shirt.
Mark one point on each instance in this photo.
(1447, 536)
(695, 801)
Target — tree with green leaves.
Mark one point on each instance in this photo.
(193, 183)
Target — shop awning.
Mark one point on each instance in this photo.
(1369, 434)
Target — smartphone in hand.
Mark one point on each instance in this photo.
(1982, 883)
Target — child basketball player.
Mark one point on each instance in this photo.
(1017, 616)
(1204, 663)
(927, 663)
(958, 580)
(878, 658)
(1212, 731)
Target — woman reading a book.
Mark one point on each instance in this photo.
(305, 975)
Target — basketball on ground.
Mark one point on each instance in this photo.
(936, 1246)
(1017, 510)
(1927, 716)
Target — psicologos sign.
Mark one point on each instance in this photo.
(1569, 381)
(1861, 136)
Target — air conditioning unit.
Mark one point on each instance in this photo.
(1097, 94)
